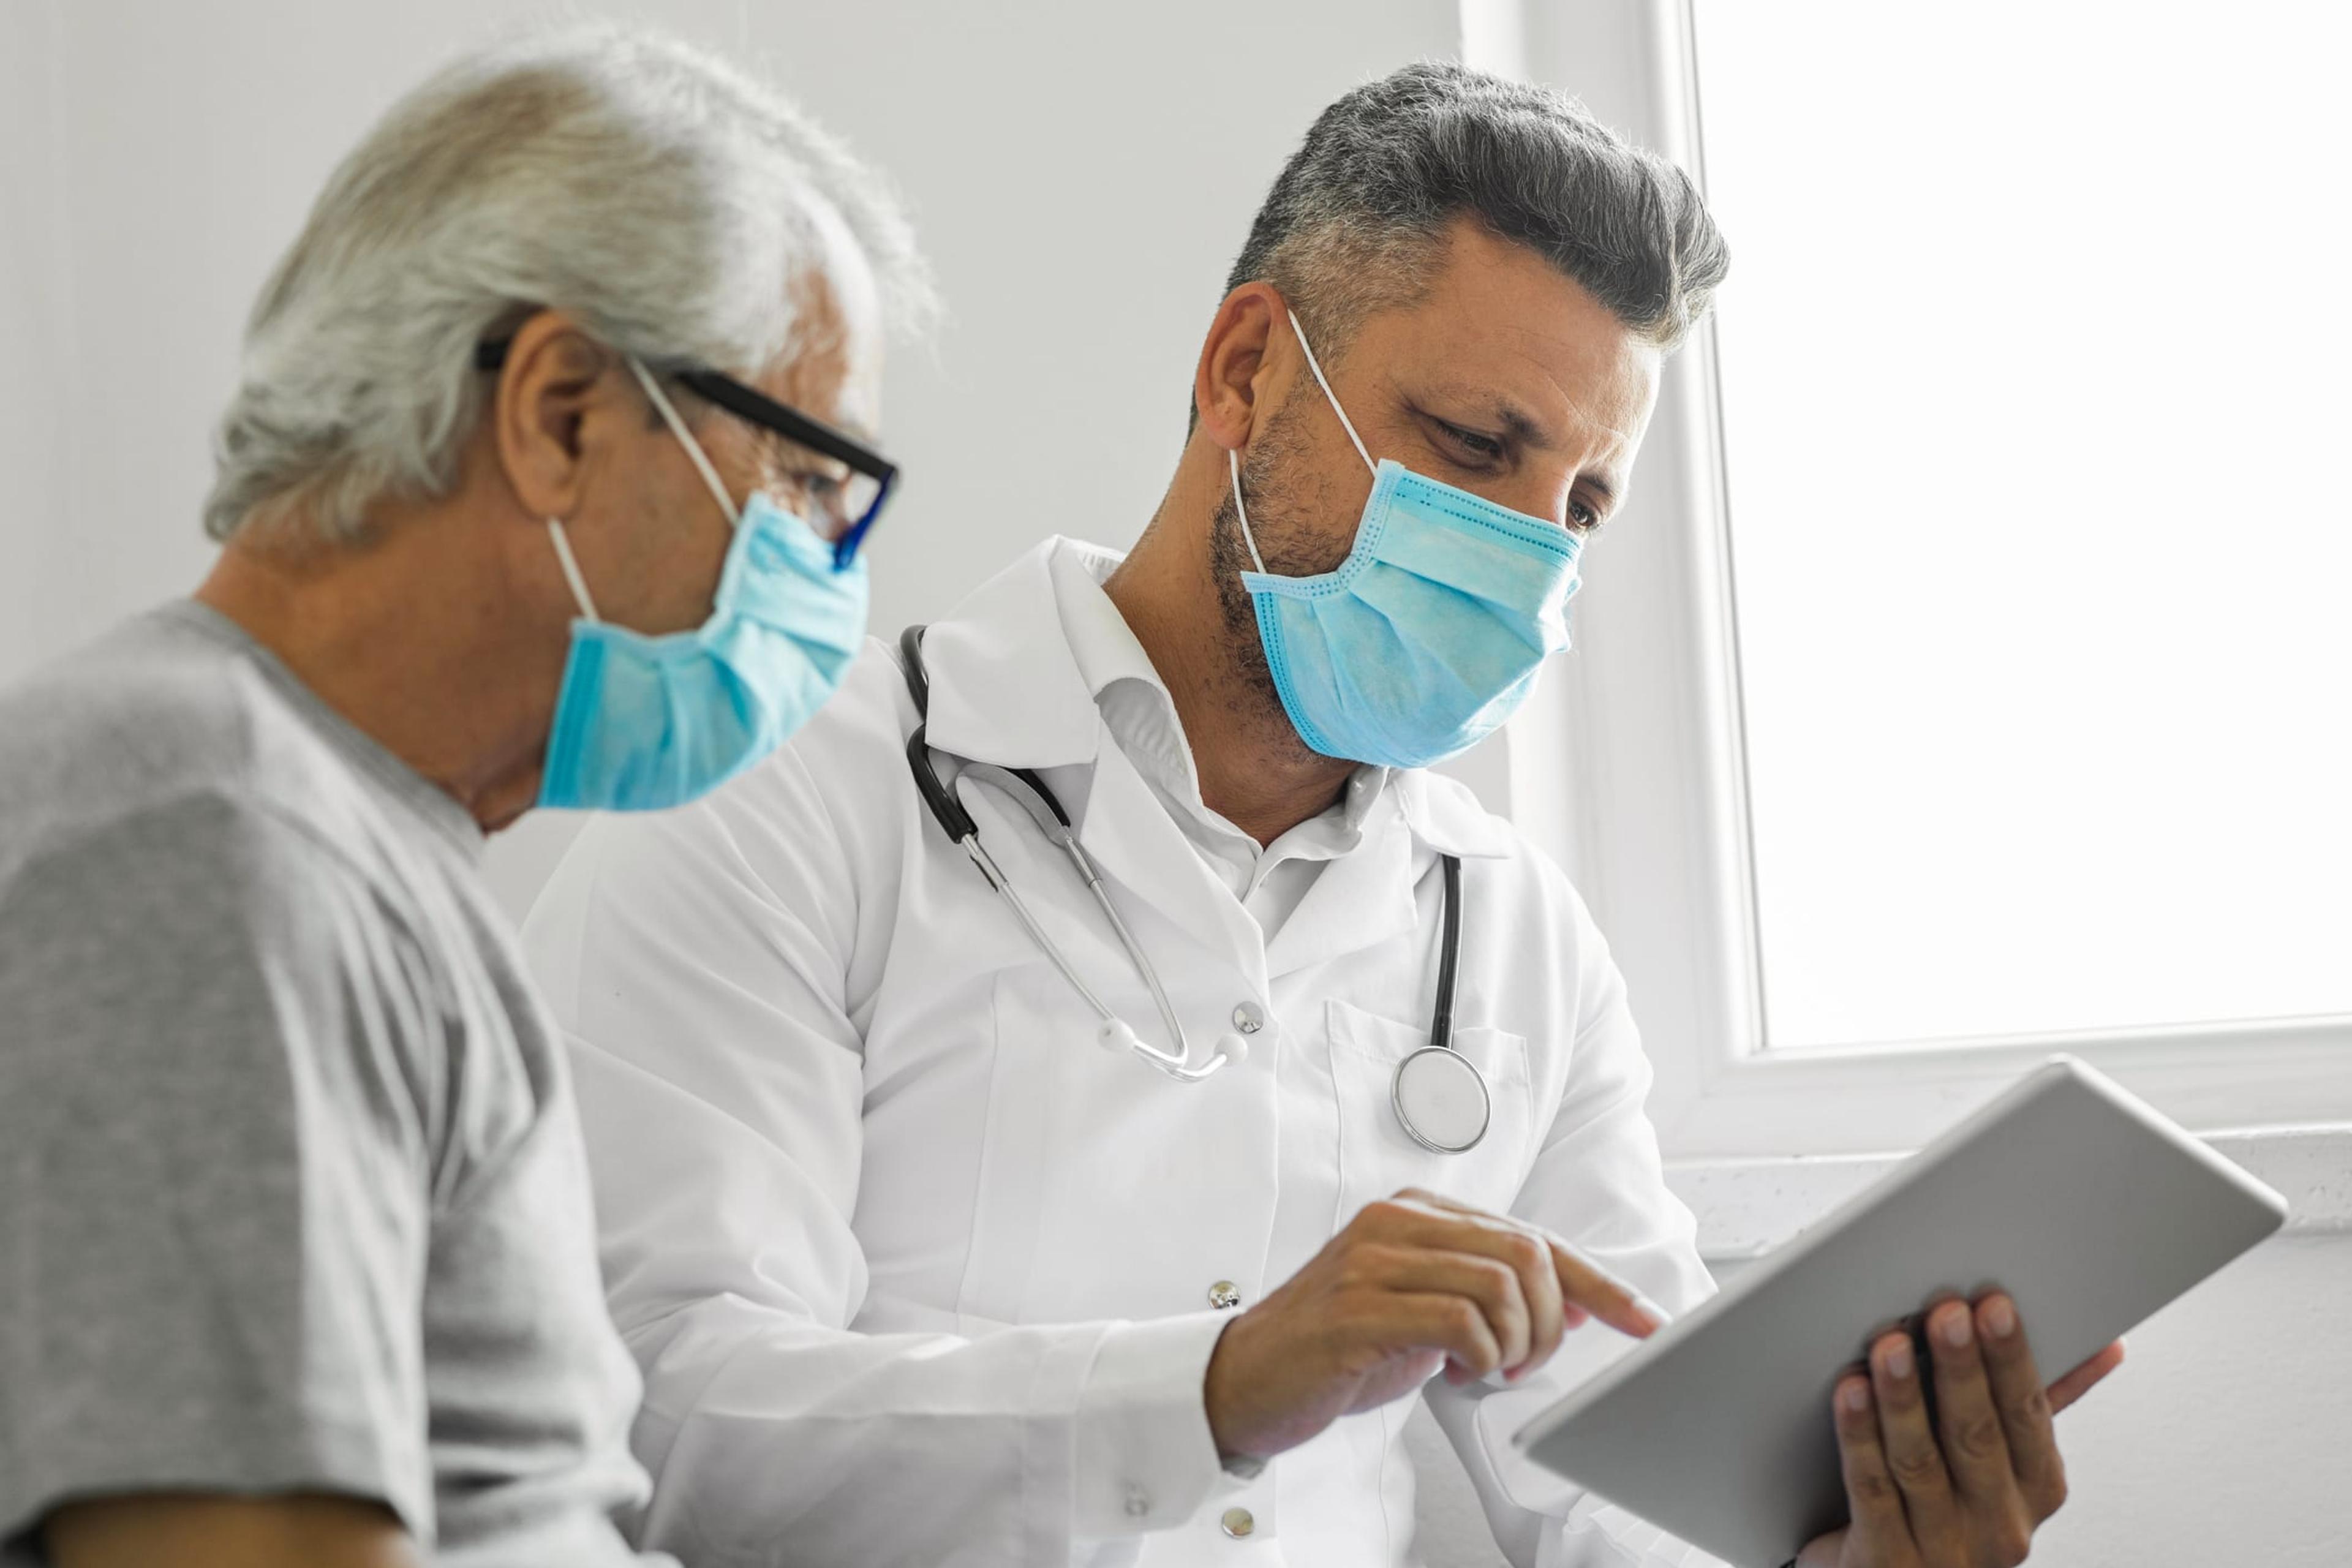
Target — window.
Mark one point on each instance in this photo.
(2034, 416)
(1970, 675)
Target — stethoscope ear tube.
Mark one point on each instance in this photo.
(1440, 1095)
(946, 810)
(919, 675)
(1449, 957)
(1033, 796)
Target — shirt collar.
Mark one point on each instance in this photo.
(1134, 700)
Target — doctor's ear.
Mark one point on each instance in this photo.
(556, 397)
(1230, 387)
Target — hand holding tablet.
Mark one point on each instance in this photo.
(1964, 1478)
(2065, 1199)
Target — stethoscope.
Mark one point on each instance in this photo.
(1439, 1094)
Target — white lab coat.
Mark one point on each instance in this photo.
(918, 1276)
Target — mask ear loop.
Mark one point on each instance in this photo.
(1234, 467)
(1234, 462)
(571, 569)
(1328, 395)
(662, 405)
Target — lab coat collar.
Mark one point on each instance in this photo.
(1004, 687)
(1006, 690)
(1443, 814)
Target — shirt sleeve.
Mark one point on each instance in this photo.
(700, 962)
(1597, 1183)
(212, 1225)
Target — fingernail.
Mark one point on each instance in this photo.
(1898, 1359)
(1856, 1394)
(1957, 1329)
(2000, 1318)
(1655, 1313)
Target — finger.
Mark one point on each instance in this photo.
(1913, 1455)
(1491, 1283)
(2086, 1377)
(1880, 1526)
(1440, 1225)
(2027, 1409)
(1602, 1295)
(1584, 1287)
(1967, 1420)
(1440, 1320)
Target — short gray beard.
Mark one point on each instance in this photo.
(1289, 550)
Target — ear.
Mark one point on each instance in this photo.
(553, 380)
(1229, 388)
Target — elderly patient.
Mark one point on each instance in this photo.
(296, 1260)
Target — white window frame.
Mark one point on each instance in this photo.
(1628, 765)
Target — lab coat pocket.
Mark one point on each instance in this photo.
(1377, 1156)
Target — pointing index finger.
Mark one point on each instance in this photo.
(1611, 1301)
(1585, 1290)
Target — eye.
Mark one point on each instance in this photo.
(1583, 519)
(1485, 448)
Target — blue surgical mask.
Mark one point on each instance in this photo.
(1430, 634)
(645, 723)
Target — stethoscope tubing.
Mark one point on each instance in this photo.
(1040, 801)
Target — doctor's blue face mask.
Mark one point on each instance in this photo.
(1430, 634)
(644, 722)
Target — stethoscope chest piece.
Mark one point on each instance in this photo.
(1441, 1099)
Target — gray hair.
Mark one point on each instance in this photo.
(668, 202)
(1357, 220)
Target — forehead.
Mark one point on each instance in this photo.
(832, 367)
(1500, 325)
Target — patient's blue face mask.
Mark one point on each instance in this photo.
(1430, 634)
(645, 723)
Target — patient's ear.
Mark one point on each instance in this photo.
(555, 390)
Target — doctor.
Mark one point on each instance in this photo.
(918, 1274)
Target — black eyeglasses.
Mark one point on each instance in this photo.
(851, 504)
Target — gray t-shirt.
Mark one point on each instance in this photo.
(291, 1187)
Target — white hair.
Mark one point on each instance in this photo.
(670, 204)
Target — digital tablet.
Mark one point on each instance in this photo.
(2084, 1203)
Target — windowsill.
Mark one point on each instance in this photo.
(1748, 1207)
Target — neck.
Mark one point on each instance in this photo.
(418, 641)
(1254, 771)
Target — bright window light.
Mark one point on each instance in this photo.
(2033, 359)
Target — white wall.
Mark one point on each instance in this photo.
(1082, 174)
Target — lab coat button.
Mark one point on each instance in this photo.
(1138, 1502)
(1248, 1019)
(1225, 1293)
(1237, 1522)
